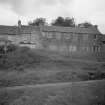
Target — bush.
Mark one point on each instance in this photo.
(19, 57)
(96, 75)
(83, 76)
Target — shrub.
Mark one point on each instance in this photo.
(83, 76)
(19, 57)
(96, 75)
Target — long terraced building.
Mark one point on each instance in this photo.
(79, 40)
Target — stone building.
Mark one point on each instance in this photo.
(64, 40)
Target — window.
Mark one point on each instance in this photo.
(53, 47)
(25, 38)
(44, 34)
(99, 48)
(85, 48)
(85, 37)
(96, 49)
(58, 35)
(103, 42)
(95, 36)
(72, 48)
(63, 48)
(49, 34)
(66, 35)
(75, 37)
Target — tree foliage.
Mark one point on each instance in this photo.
(37, 22)
(85, 24)
(66, 22)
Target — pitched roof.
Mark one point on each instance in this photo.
(28, 29)
(8, 30)
(14, 30)
(90, 30)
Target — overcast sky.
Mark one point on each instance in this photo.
(82, 10)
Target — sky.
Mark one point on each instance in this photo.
(27, 10)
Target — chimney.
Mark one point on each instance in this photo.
(96, 26)
(19, 23)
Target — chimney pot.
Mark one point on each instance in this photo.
(96, 26)
(19, 23)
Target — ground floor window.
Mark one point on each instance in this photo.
(96, 48)
(72, 48)
(63, 48)
(53, 47)
(85, 48)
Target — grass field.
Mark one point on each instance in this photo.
(50, 72)
(44, 78)
(76, 93)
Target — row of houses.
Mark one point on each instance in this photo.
(64, 40)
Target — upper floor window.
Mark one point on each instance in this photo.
(58, 35)
(72, 48)
(85, 48)
(53, 47)
(103, 42)
(85, 37)
(49, 34)
(66, 35)
(96, 48)
(44, 34)
(95, 36)
(98, 37)
(75, 37)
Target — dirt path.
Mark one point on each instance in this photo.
(84, 61)
(62, 84)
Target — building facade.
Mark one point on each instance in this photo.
(63, 40)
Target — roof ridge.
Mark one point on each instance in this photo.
(27, 29)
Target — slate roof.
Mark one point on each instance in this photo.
(28, 29)
(90, 30)
(14, 30)
(8, 30)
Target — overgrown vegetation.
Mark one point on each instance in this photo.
(19, 58)
(23, 66)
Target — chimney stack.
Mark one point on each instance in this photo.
(19, 23)
(96, 26)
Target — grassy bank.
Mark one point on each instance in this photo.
(50, 72)
(30, 67)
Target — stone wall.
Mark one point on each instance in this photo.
(65, 43)
(69, 43)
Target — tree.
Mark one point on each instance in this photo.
(69, 22)
(85, 24)
(37, 22)
(66, 22)
(58, 22)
